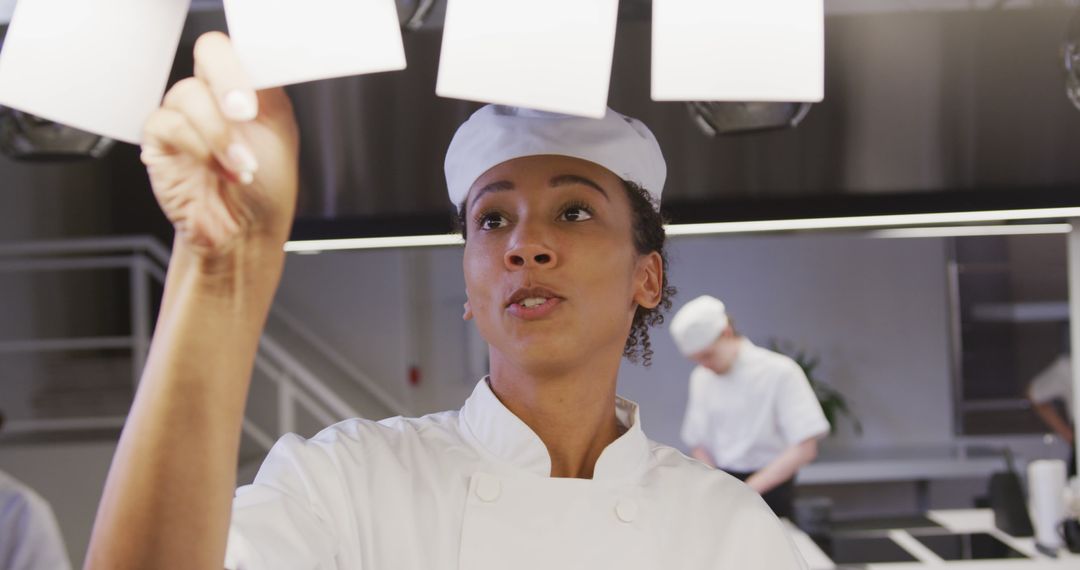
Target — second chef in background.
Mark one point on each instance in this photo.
(751, 411)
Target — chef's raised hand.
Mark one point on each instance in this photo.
(223, 163)
(222, 157)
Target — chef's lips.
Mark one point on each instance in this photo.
(531, 293)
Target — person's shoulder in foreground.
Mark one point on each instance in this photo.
(29, 534)
(744, 530)
(367, 482)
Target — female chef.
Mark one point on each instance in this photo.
(543, 467)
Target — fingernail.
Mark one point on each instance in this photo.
(246, 178)
(240, 105)
(244, 160)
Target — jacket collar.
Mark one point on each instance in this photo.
(746, 355)
(505, 436)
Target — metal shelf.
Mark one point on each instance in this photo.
(1023, 312)
(64, 344)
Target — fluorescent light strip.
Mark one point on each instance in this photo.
(320, 245)
(961, 231)
(857, 222)
(851, 222)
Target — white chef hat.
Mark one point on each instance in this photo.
(698, 323)
(497, 133)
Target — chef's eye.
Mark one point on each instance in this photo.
(491, 221)
(577, 213)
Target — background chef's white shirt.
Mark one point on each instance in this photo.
(29, 536)
(749, 416)
(472, 490)
(1054, 382)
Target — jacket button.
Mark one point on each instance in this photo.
(488, 488)
(626, 510)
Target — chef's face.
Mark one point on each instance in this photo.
(551, 272)
(721, 354)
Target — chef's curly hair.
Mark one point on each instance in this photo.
(649, 236)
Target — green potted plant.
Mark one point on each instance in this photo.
(832, 401)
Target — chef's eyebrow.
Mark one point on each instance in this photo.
(555, 182)
(569, 179)
(497, 186)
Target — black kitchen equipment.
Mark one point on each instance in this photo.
(1006, 497)
(1069, 529)
(967, 546)
(868, 549)
(718, 118)
(28, 137)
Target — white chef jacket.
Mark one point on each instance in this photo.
(1055, 381)
(471, 490)
(29, 536)
(749, 416)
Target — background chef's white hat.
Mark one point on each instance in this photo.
(698, 323)
(497, 133)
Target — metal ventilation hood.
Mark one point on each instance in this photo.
(924, 111)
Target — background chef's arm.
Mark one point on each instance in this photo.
(1049, 385)
(784, 466)
(1054, 421)
(703, 456)
(801, 423)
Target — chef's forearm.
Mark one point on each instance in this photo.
(703, 456)
(1054, 421)
(784, 467)
(167, 499)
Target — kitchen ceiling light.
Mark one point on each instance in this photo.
(866, 222)
(321, 245)
(965, 231)
(853, 222)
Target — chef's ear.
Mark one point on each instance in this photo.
(649, 280)
(468, 312)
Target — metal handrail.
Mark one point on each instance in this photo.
(297, 385)
(158, 253)
(298, 372)
(98, 245)
(355, 374)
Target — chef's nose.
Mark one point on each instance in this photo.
(529, 255)
(529, 251)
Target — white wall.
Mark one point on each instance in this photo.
(874, 310)
(386, 311)
(356, 303)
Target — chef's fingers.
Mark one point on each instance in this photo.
(217, 64)
(168, 132)
(193, 98)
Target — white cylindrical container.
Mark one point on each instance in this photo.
(1046, 500)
